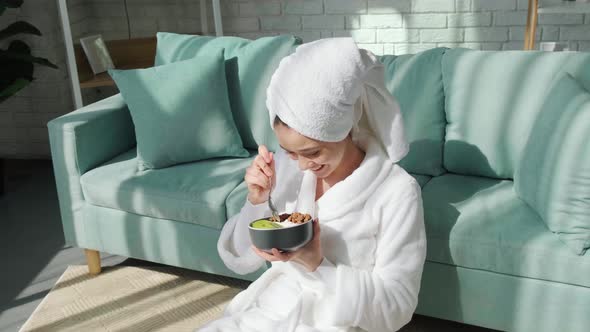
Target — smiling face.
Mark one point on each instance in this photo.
(322, 158)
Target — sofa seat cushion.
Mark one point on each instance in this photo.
(480, 223)
(191, 192)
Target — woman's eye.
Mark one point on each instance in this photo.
(313, 154)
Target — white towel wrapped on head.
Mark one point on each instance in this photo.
(336, 88)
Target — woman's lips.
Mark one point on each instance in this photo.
(318, 169)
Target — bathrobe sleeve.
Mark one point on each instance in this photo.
(234, 244)
(385, 298)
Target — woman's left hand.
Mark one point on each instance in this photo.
(310, 255)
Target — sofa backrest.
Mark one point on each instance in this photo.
(249, 67)
(416, 83)
(491, 102)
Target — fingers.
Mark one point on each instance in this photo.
(264, 166)
(316, 230)
(275, 256)
(282, 256)
(255, 177)
(263, 151)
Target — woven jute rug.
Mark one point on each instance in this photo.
(129, 298)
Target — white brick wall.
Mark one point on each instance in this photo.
(382, 26)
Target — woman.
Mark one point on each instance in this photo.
(341, 135)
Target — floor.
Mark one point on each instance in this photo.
(33, 253)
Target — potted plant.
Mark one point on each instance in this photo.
(17, 64)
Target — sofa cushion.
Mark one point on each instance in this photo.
(554, 173)
(178, 117)
(480, 223)
(191, 192)
(249, 67)
(416, 83)
(492, 100)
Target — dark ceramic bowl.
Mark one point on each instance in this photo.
(284, 239)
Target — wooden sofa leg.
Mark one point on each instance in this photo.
(93, 260)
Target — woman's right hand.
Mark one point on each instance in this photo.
(260, 176)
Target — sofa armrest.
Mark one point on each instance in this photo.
(80, 141)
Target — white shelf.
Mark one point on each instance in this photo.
(565, 7)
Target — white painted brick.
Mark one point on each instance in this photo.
(353, 22)
(584, 46)
(360, 35)
(8, 149)
(77, 13)
(7, 134)
(16, 103)
(377, 49)
(486, 34)
(107, 9)
(240, 24)
(463, 5)
(186, 25)
(441, 35)
(389, 7)
(517, 34)
(479, 5)
(228, 9)
(388, 49)
(381, 21)
(412, 48)
(522, 4)
(510, 18)
(335, 22)
(256, 35)
(470, 19)
(561, 19)
(6, 119)
(308, 36)
(38, 134)
(112, 24)
(326, 34)
(473, 46)
(433, 6)
(303, 7)
(424, 20)
(345, 6)
(398, 35)
(290, 22)
(575, 33)
(550, 33)
(514, 46)
(491, 46)
(144, 24)
(167, 24)
(259, 8)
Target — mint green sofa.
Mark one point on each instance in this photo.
(491, 261)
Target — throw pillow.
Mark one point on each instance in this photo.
(554, 174)
(181, 111)
(249, 67)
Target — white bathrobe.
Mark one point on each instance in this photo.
(374, 245)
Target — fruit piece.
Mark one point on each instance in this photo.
(265, 223)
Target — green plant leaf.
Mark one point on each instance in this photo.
(13, 88)
(8, 55)
(21, 52)
(11, 3)
(19, 27)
